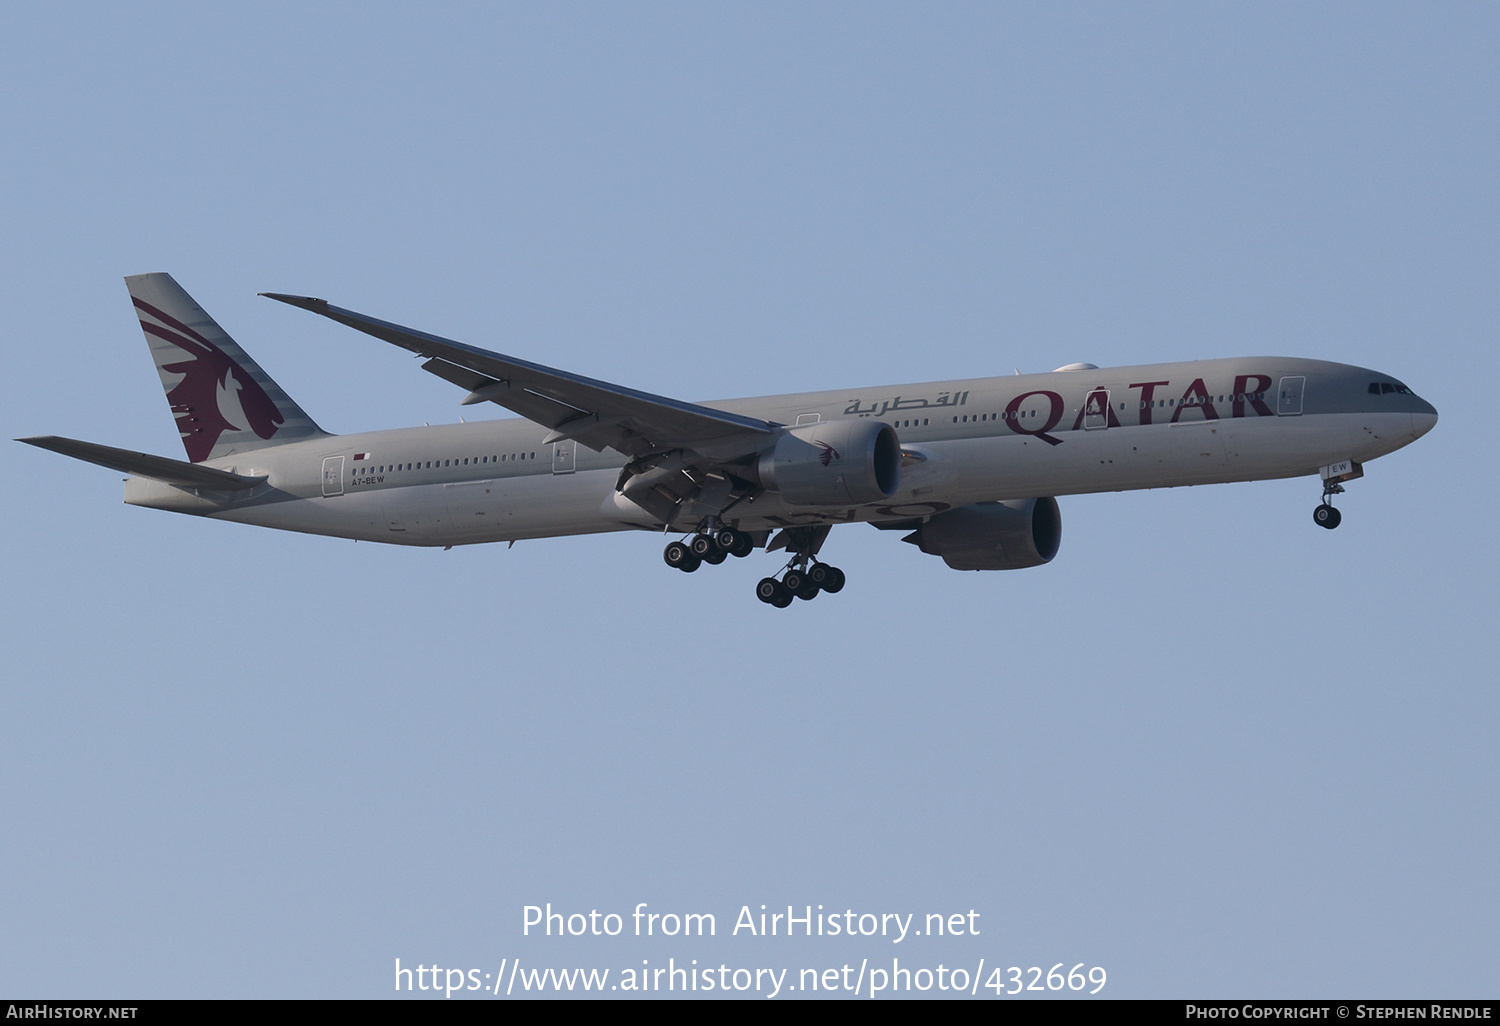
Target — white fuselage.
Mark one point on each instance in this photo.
(1067, 432)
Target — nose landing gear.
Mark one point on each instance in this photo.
(1333, 477)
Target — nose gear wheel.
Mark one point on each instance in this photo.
(1326, 515)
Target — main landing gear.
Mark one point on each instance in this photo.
(802, 577)
(801, 580)
(708, 546)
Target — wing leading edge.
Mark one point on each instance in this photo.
(598, 414)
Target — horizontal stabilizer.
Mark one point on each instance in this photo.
(141, 464)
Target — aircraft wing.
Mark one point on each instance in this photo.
(598, 414)
(143, 464)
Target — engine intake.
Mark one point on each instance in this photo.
(833, 463)
(1007, 535)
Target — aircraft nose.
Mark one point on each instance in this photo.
(1424, 417)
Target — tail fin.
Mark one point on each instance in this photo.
(224, 403)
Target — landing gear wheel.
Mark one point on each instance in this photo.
(773, 592)
(792, 580)
(1327, 516)
(678, 555)
(818, 573)
(727, 538)
(808, 589)
(743, 545)
(835, 582)
(716, 557)
(703, 545)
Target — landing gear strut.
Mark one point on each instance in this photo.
(803, 577)
(1333, 477)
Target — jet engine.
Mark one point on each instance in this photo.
(834, 463)
(1007, 535)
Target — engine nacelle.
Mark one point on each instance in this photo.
(833, 463)
(1006, 535)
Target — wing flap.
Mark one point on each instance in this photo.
(485, 389)
(142, 464)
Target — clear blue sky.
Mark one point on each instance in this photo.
(1211, 748)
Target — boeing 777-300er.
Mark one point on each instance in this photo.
(969, 469)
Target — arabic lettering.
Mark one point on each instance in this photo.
(879, 407)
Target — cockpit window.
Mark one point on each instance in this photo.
(1388, 387)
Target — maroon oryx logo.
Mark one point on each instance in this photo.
(213, 389)
(829, 454)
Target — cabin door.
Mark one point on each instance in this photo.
(1096, 410)
(333, 475)
(1289, 397)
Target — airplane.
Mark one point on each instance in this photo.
(970, 469)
